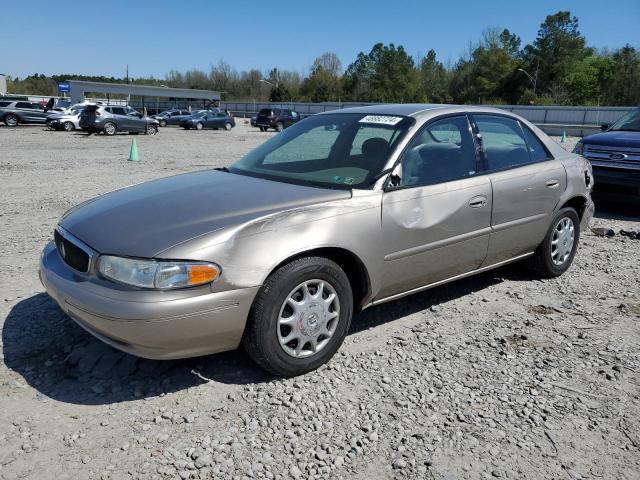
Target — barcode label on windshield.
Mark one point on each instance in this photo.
(381, 119)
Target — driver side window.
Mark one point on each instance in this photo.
(442, 152)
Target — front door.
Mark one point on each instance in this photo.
(527, 185)
(436, 224)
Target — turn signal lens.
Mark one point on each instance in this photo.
(199, 274)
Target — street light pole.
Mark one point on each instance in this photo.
(533, 80)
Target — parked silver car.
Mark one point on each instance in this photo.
(342, 211)
(111, 119)
(17, 112)
(68, 120)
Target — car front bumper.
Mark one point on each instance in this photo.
(616, 176)
(148, 323)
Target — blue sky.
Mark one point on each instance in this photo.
(100, 38)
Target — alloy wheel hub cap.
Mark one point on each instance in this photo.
(308, 318)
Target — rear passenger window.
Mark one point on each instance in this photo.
(442, 152)
(118, 111)
(537, 150)
(4, 104)
(24, 105)
(502, 142)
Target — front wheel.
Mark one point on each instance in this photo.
(227, 126)
(110, 128)
(151, 130)
(199, 126)
(68, 126)
(279, 126)
(556, 252)
(299, 317)
(11, 120)
(163, 123)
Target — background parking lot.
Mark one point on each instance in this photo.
(499, 375)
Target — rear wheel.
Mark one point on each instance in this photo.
(110, 128)
(300, 317)
(68, 126)
(556, 252)
(263, 129)
(11, 120)
(199, 126)
(279, 126)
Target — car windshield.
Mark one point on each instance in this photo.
(630, 122)
(200, 113)
(340, 150)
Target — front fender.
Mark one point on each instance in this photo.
(249, 252)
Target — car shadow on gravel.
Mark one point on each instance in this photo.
(64, 362)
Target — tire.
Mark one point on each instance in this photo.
(199, 126)
(187, 128)
(163, 123)
(265, 335)
(11, 120)
(554, 257)
(279, 127)
(227, 126)
(68, 126)
(263, 129)
(151, 130)
(110, 128)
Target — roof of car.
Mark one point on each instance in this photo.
(412, 109)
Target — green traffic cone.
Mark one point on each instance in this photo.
(133, 153)
(564, 137)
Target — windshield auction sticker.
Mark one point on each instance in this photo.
(380, 119)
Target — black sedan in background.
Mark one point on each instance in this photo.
(208, 119)
(172, 117)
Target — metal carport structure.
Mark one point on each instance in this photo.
(80, 87)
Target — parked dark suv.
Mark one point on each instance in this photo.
(172, 117)
(116, 118)
(278, 118)
(22, 111)
(615, 154)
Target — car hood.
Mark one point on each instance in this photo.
(614, 139)
(145, 219)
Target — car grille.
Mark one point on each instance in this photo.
(613, 157)
(72, 254)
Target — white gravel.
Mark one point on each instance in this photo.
(496, 376)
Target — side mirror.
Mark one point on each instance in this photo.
(604, 126)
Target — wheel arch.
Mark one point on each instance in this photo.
(578, 203)
(352, 265)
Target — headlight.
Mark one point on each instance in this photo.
(157, 274)
(579, 148)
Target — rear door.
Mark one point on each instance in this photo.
(436, 224)
(527, 184)
(26, 111)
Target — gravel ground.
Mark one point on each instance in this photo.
(496, 376)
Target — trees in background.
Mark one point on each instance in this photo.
(558, 67)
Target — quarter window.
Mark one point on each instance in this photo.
(537, 150)
(118, 111)
(441, 152)
(503, 142)
(4, 104)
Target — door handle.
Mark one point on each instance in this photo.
(552, 183)
(477, 202)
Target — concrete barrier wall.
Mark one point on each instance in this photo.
(554, 120)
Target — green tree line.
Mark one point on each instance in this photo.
(557, 68)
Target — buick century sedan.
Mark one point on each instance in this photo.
(342, 211)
